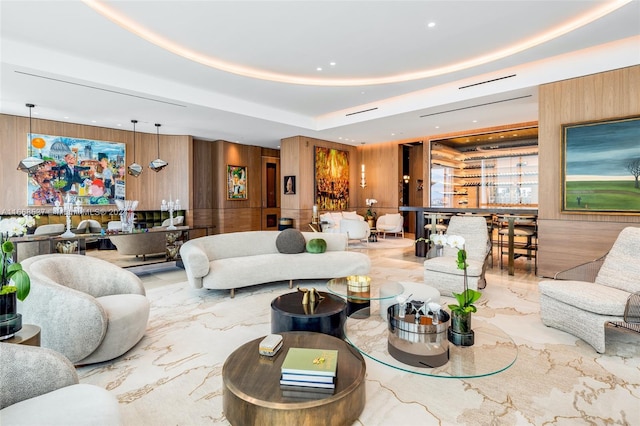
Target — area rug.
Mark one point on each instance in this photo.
(173, 376)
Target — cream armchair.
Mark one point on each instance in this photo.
(41, 387)
(583, 299)
(390, 223)
(89, 310)
(443, 273)
(355, 229)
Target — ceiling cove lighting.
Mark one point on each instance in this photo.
(134, 168)
(158, 164)
(600, 10)
(32, 164)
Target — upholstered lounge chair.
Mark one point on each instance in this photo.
(442, 272)
(39, 386)
(89, 310)
(355, 229)
(583, 299)
(390, 223)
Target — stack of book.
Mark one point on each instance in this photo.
(309, 373)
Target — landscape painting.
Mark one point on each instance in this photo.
(332, 179)
(601, 166)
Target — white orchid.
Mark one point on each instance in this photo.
(455, 241)
(438, 239)
(371, 201)
(12, 227)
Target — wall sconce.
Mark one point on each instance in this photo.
(363, 177)
(31, 164)
(134, 168)
(406, 178)
(158, 164)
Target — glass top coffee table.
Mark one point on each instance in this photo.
(494, 351)
(360, 290)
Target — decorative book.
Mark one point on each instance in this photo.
(303, 393)
(307, 378)
(310, 385)
(313, 362)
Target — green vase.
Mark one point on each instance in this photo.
(10, 320)
(460, 332)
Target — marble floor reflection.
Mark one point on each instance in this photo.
(173, 376)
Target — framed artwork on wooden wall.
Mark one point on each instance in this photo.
(289, 185)
(92, 172)
(331, 179)
(601, 166)
(236, 182)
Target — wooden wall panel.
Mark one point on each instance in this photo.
(557, 253)
(566, 239)
(203, 171)
(383, 168)
(238, 220)
(149, 188)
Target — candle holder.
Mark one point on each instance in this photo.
(68, 208)
(126, 208)
(171, 206)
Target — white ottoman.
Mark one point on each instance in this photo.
(417, 291)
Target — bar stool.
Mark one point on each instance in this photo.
(514, 226)
(437, 223)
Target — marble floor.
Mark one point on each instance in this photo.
(173, 376)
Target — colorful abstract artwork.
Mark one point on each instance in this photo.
(89, 170)
(332, 179)
(236, 182)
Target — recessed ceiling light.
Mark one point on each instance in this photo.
(474, 121)
(93, 121)
(333, 64)
(66, 118)
(437, 127)
(118, 124)
(431, 24)
(319, 69)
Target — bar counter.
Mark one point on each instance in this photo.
(423, 212)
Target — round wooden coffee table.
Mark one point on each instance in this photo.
(252, 394)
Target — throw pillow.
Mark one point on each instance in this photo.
(291, 241)
(317, 245)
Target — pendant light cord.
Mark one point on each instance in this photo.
(158, 137)
(134, 139)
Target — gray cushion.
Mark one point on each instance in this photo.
(291, 241)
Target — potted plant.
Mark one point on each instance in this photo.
(14, 281)
(370, 215)
(460, 332)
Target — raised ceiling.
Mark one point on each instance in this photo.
(248, 71)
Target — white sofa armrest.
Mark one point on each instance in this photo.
(29, 371)
(196, 262)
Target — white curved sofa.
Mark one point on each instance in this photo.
(241, 259)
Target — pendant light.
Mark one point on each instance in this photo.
(30, 164)
(158, 164)
(134, 168)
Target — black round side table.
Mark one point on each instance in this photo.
(289, 314)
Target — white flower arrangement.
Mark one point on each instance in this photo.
(16, 226)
